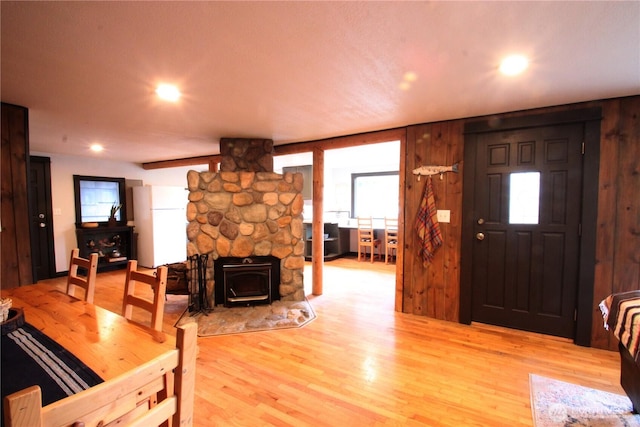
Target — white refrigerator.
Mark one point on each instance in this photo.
(161, 223)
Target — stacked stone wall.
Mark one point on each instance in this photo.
(241, 154)
(243, 214)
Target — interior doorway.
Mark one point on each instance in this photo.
(340, 167)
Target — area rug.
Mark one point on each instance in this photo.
(557, 403)
(233, 320)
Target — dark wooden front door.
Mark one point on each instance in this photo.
(42, 247)
(526, 234)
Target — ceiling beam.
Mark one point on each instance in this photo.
(295, 148)
(189, 161)
(341, 141)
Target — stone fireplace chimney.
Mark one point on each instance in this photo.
(251, 155)
(246, 210)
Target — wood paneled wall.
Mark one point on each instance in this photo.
(16, 264)
(618, 236)
(434, 290)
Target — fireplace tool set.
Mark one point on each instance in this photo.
(198, 302)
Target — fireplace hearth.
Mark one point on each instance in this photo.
(246, 281)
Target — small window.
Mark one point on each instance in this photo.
(96, 195)
(375, 194)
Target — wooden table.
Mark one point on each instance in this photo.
(105, 341)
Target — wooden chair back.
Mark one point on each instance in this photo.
(155, 306)
(390, 238)
(87, 280)
(366, 237)
(124, 400)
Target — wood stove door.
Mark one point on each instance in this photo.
(247, 284)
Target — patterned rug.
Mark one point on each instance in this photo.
(557, 403)
(278, 315)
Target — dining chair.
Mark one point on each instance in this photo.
(85, 279)
(158, 282)
(390, 238)
(366, 237)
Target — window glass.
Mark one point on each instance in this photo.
(375, 194)
(524, 198)
(97, 198)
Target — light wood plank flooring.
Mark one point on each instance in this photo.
(362, 364)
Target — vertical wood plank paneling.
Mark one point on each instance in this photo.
(618, 240)
(454, 204)
(8, 255)
(626, 271)
(407, 247)
(434, 290)
(16, 260)
(410, 247)
(19, 128)
(435, 294)
(420, 138)
(627, 254)
(607, 195)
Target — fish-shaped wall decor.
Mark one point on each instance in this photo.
(434, 170)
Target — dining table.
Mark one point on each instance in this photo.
(104, 341)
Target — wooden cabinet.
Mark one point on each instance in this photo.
(114, 245)
(336, 241)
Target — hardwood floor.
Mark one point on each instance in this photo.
(359, 363)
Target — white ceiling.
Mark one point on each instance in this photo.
(296, 71)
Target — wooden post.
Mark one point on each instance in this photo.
(317, 235)
(399, 298)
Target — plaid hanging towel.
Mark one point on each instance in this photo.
(427, 224)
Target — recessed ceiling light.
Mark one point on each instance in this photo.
(96, 148)
(168, 92)
(513, 65)
(410, 76)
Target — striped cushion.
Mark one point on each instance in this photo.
(623, 318)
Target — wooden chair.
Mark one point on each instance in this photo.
(86, 281)
(366, 237)
(123, 400)
(390, 238)
(158, 282)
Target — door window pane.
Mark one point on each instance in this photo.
(524, 198)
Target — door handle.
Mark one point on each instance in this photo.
(480, 236)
